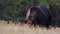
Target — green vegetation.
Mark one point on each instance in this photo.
(13, 9)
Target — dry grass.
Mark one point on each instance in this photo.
(11, 28)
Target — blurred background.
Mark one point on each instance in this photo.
(16, 10)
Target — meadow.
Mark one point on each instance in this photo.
(19, 28)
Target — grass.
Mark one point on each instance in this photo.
(19, 28)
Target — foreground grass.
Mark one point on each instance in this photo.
(11, 28)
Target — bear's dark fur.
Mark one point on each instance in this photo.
(40, 15)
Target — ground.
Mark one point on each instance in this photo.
(24, 29)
